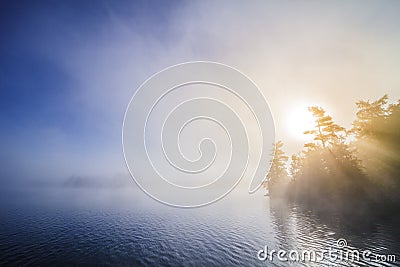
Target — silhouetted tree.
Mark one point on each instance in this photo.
(367, 113)
(327, 171)
(326, 131)
(277, 175)
(378, 143)
(332, 173)
(295, 166)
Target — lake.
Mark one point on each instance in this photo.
(84, 226)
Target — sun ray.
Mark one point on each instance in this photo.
(298, 121)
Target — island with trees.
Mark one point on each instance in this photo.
(352, 171)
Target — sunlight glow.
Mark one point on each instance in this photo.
(299, 119)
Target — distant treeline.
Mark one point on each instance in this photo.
(354, 171)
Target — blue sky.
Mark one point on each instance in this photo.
(69, 68)
(46, 125)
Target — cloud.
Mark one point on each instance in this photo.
(327, 53)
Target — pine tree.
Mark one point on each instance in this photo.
(295, 166)
(326, 131)
(368, 112)
(277, 173)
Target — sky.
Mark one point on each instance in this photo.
(69, 68)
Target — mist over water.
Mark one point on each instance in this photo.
(69, 68)
(123, 226)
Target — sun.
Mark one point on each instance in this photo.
(299, 119)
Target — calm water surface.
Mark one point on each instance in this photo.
(123, 227)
